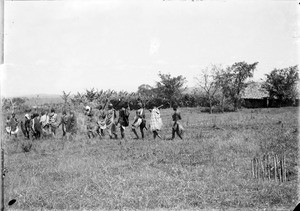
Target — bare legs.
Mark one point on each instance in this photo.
(142, 131)
(155, 133)
(177, 131)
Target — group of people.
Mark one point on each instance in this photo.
(106, 119)
(41, 124)
(97, 121)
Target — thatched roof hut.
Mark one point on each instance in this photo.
(255, 91)
(255, 96)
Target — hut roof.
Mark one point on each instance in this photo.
(255, 91)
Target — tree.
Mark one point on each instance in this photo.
(170, 87)
(233, 81)
(208, 84)
(189, 100)
(91, 95)
(221, 78)
(78, 99)
(13, 103)
(103, 97)
(146, 95)
(6, 103)
(65, 97)
(18, 102)
(281, 83)
(145, 90)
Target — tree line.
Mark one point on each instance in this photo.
(217, 87)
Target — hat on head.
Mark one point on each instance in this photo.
(27, 116)
(87, 108)
(110, 105)
(140, 104)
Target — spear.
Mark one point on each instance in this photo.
(160, 106)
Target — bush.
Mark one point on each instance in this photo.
(218, 109)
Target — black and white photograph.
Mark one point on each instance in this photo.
(149, 105)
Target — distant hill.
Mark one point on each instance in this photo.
(42, 96)
(40, 99)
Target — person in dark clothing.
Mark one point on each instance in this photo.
(124, 118)
(25, 126)
(71, 126)
(63, 122)
(177, 127)
(36, 126)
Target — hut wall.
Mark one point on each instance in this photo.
(255, 103)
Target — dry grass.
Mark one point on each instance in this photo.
(210, 169)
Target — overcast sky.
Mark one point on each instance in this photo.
(51, 46)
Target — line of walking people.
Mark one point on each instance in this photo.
(101, 119)
(97, 121)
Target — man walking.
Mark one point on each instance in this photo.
(71, 127)
(124, 118)
(110, 121)
(139, 121)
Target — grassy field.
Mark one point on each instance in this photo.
(210, 169)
